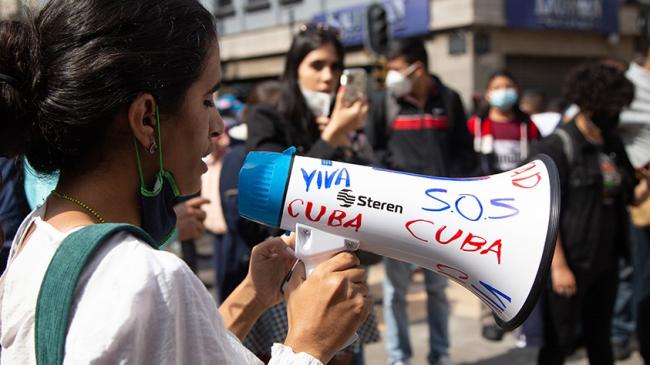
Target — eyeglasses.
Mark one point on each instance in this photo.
(321, 28)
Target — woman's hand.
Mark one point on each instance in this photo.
(564, 282)
(189, 218)
(322, 123)
(270, 262)
(642, 190)
(345, 118)
(326, 309)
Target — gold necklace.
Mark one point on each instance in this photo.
(81, 204)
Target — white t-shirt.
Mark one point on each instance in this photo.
(133, 305)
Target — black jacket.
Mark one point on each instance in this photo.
(593, 232)
(430, 141)
(269, 131)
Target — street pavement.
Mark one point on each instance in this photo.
(467, 345)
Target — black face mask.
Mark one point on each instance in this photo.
(606, 123)
(157, 209)
(157, 204)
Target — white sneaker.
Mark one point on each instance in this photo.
(402, 362)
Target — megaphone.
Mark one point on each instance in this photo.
(494, 235)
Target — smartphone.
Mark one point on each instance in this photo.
(355, 82)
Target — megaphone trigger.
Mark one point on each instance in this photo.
(314, 246)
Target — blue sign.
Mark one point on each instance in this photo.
(407, 18)
(581, 15)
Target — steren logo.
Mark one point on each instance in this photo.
(347, 199)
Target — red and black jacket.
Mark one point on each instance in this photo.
(432, 139)
(481, 129)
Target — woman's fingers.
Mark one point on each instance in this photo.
(295, 278)
(289, 240)
(340, 262)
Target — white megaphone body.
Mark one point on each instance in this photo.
(495, 235)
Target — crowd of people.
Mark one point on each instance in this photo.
(91, 92)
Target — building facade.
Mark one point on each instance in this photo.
(537, 40)
(18, 9)
(9, 9)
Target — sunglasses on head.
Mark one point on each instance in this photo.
(321, 28)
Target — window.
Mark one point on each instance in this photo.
(256, 5)
(224, 9)
(457, 43)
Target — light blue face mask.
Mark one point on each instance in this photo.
(38, 186)
(503, 99)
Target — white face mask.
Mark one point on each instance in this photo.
(398, 83)
(318, 102)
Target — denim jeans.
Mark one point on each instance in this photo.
(623, 322)
(398, 343)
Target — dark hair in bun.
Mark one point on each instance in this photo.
(78, 63)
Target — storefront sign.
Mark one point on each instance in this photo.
(582, 15)
(407, 18)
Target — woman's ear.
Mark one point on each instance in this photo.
(142, 119)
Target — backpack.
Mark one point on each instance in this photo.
(57, 290)
(567, 144)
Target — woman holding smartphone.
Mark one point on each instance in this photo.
(310, 90)
(311, 114)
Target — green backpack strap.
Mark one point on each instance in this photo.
(56, 295)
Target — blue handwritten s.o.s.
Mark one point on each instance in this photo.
(469, 206)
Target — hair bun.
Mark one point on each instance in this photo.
(16, 79)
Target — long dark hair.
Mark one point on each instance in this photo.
(293, 105)
(484, 110)
(81, 62)
(15, 40)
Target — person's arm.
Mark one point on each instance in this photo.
(241, 309)
(564, 282)
(345, 118)
(642, 189)
(562, 277)
(189, 218)
(337, 296)
(323, 310)
(265, 132)
(270, 262)
(323, 150)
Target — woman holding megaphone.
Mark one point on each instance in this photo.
(98, 90)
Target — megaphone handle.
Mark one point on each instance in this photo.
(314, 246)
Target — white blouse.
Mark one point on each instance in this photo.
(133, 305)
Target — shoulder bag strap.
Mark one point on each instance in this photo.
(56, 295)
(567, 145)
